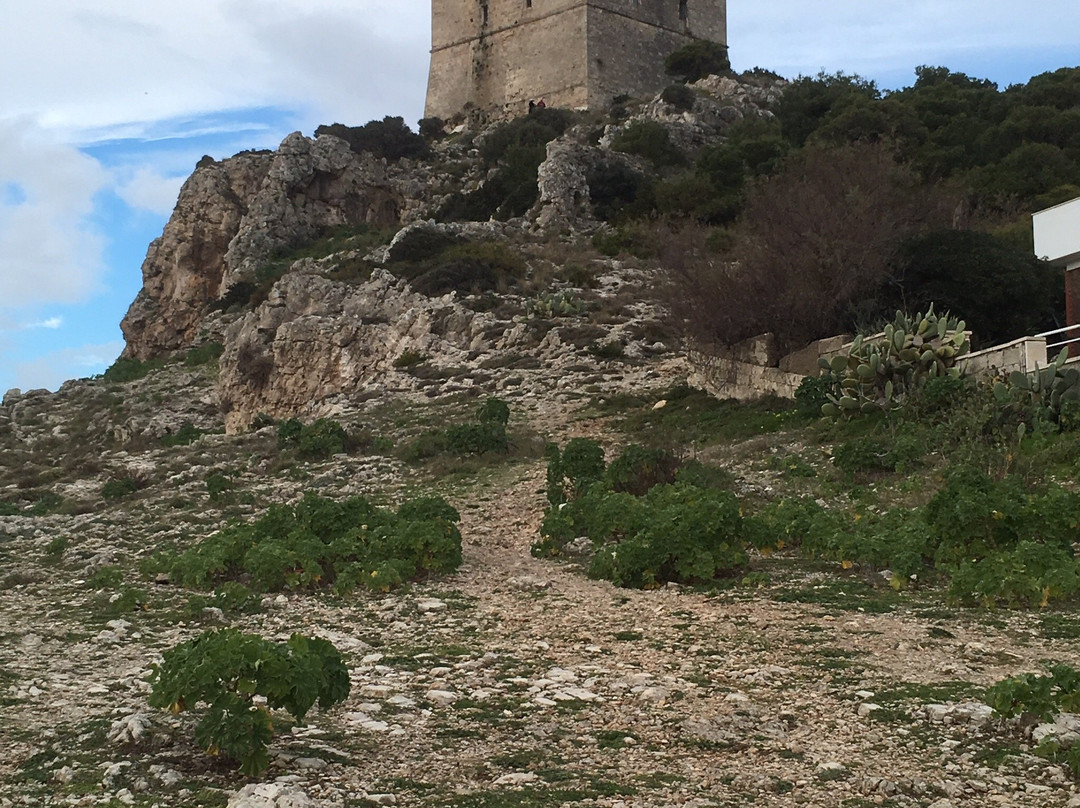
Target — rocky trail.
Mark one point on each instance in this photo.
(519, 681)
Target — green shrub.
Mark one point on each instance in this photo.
(288, 432)
(408, 358)
(218, 486)
(227, 669)
(515, 149)
(639, 468)
(316, 441)
(612, 349)
(389, 138)
(320, 543)
(129, 370)
(811, 394)
(684, 534)
(697, 60)
(550, 305)
(432, 128)
(436, 265)
(877, 453)
(679, 96)
(119, 487)
(616, 189)
(203, 354)
(1042, 696)
(320, 440)
(187, 434)
(673, 532)
(9, 509)
(573, 469)
(476, 438)
(1031, 574)
(650, 140)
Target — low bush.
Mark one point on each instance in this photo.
(203, 354)
(996, 542)
(218, 486)
(128, 369)
(514, 150)
(1041, 697)
(187, 434)
(389, 138)
(639, 469)
(485, 434)
(670, 531)
(616, 190)
(437, 264)
(320, 542)
(697, 60)
(679, 96)
(119, 487)
(650, 140)
(315, 441)
(226, 670)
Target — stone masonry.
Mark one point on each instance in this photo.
(494, 56)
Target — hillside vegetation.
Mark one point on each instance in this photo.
(476, 541)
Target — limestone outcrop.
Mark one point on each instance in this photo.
(314, 338)
(233, 215)
(184, 267)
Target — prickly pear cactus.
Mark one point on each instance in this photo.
(880, 372)
(1038, 396)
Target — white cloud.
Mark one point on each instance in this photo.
(146, 189)
(53, 369)
(48, 249)
(51, 323)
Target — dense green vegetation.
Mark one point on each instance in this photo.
(320, 542)
(852, 202)
(227, 669)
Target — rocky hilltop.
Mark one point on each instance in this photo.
(313, 338)
(313, 329)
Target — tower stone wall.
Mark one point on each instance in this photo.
(494, 56)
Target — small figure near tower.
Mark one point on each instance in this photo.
(495, 56)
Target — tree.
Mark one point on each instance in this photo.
(1001, 291)
(697, 60)
(812, 251)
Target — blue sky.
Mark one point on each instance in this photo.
(106, 106)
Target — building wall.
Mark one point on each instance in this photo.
(497, 55)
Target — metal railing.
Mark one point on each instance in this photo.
(1050, 346)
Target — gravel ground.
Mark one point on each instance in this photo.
(515, 681)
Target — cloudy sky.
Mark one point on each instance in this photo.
(106, 106)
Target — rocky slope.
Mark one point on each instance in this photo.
(515, 680)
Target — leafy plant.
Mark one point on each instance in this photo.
(316, 441)
(558, 304)
(203, 354)
(119, 487)
(673, 532)
(650, 140)
(389, 138)
(128, 369)
(218, 486)
(697, 60)
(187, 434)
(226, 670)
(320, 542)
(679, 96)
(1043, 696)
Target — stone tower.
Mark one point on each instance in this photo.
(494, 56)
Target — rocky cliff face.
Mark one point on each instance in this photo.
(314, 339)
(235, 214)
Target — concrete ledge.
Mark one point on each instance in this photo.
(1021, 354)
